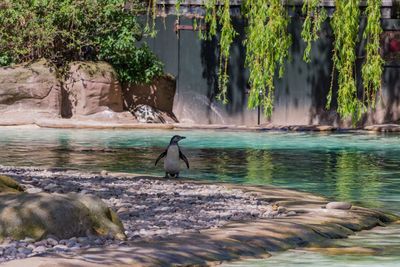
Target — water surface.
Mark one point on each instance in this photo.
(362, 168)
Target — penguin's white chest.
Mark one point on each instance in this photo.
(171, 162)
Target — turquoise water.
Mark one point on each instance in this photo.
(362, 168)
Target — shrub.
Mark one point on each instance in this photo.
(68, 30)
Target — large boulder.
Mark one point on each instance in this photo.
(29, 89)
(91, 87)
(62, 215)
(159, 95)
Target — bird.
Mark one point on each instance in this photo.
(172, 156)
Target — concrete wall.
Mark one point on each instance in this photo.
(300, 96)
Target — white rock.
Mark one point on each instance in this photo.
(339, 205)
(40, 249)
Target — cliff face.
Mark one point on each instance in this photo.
(90, 91)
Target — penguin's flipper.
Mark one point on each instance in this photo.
(160, 157)
(183, 157)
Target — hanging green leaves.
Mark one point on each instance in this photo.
(345, 26)
(267, 47)
(228, 33)
(315, 16)
(210, 17)
(373, 65)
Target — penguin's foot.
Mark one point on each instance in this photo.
(172, 175)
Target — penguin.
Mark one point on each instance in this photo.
(173, 154)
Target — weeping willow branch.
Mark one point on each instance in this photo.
(315, 16)
(267, 47)
(228, 33)
(373, 65)
(345, 26)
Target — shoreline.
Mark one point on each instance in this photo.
(121, 125)
(300, 222)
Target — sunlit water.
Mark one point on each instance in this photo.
(362, 168)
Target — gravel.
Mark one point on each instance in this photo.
(148, 208)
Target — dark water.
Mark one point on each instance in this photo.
(362, 168)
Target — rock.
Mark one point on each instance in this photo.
(40, 249)
(33, 190)
(92, 87)
(7, 184)
(52, 241)
(149, 114)
(25, 251)
(60, 247)
(35, 216)
(104, 173)
(29, 89)
(339, 205)
(50, 187)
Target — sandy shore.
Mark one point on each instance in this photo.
(185, 222)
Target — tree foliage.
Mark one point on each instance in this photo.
(345, 25)
(373, 66)
(68, 30)
(268, 42)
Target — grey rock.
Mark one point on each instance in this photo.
(339, 205)
(52, 241)
(40, 249)
(25, 251)
(60, 247)
(34, 190)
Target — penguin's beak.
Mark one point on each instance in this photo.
(182, 137)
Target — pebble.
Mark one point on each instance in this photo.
(51, 241)
(339, 205)
(40, 249)
(34, 190)
(147, 208)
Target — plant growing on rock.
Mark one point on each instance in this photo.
(65, 30)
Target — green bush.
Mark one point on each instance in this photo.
(69, 30)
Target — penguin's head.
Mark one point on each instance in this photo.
(176, 138)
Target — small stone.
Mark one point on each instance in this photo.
(34, 190)
(39, 249)
(122, 210)
(281, 209)
(104, 173)
(60, 247)
(339, 205)
(52, 241)
(50, 187)
(25, 251)
(291, 213)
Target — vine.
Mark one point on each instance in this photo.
(373, 65)
(345, 25)
(315, 16)
(267, 47)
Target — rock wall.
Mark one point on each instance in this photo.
(30, 92)
(29, 89)
(91, 88)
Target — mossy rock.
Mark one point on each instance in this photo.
(9, 185)
(62, 215)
